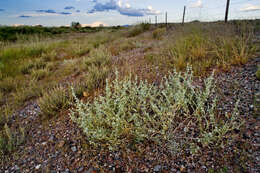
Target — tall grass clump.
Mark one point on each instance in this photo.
(98, 57)
(54, 101)
(10, 139)
(98, 65)
(132, 111)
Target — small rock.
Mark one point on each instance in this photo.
(61, 144)
(91, 170)
(16, 168)
(66, 171)
(157, 168)
(81, 169)
(74, 149)
(182, 168)
(38, 167)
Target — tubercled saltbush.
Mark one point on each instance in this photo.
(133, 110)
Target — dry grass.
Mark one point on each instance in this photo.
(204, 47)
(28, 68)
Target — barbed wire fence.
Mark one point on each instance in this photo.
(203, 14)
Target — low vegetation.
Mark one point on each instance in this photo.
(133, 111)
(152, 97)
(204, 49)
(10, 139)
(54, 101)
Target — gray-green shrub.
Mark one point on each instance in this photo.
(131, 111)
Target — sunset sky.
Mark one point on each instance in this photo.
(120, 12)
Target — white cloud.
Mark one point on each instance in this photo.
(95, 24)
(122, 8)
(250, 7)
(197, 4)
(127, 5)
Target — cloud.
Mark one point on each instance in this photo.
(123, 9)
(2, 10)
(197, 4)
(65, 13)
(24, 16)
(46, 11)
(250, 7)
(95, 24)
(69, 8)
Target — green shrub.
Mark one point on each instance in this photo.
(131, 111)
(54, 101)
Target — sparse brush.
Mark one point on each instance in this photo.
(131, 111)
(54, 101)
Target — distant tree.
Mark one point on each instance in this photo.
(76, 25)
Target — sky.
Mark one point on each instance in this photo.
(120, 12)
